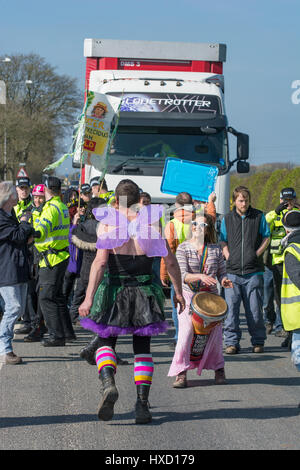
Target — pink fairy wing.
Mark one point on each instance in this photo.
(153, 245)
(107, 215)
(112, 239)
(148, 237)
(112, 231)
(150, 214)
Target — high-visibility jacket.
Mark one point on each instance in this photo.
(277, 234)
(53, 225)
(36, 213)
(290, 294)
(22, 206)
(176, 232)
(109, 196)
(182, 230)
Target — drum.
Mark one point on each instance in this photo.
(207, 311)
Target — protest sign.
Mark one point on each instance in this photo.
(99, 114)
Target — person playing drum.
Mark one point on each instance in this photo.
(201, 263)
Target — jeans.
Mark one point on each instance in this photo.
(271, 313)
(14, 298)
(174, 314)
(296, 349)
(248, 289)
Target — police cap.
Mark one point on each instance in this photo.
(288, 193)
(23, 181)
(52, 182)
(85, 188)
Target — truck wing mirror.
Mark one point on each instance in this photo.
(242, 167)
(242, 151)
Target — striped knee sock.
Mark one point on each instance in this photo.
(143, 369)
(106, 357)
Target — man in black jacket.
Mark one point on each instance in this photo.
(14, 238)
(244, 237)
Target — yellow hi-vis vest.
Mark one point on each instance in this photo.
(109, 197)
(54, 226)
(277, 234)
(181, 229)
(290, 294)
(21, 207)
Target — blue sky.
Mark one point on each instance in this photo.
(262, 37)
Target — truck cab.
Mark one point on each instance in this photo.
(172, 105)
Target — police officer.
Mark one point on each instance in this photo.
(99, 189)
(274, 219)
(290, 290)
(25, 201)
(86, 192)
(52, 245)
(38, 327)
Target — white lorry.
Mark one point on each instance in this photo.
(172, 106)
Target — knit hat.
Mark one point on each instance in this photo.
(291, 220)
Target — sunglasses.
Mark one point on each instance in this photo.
(199, 224)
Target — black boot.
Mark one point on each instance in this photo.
(142, 413)
(36, 333)
(34, 336)
(110, 394)
(88, 352)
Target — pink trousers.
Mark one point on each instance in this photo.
(212, 357)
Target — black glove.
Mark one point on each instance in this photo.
(282, 205)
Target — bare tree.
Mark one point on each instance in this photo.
(40, 111)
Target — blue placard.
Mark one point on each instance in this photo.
(194, 178)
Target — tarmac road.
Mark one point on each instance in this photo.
(50, 402)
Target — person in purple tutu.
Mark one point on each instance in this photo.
(121, 297)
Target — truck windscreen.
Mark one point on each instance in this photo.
(146, 148)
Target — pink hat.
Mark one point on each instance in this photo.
(39, 190)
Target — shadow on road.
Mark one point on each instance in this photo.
(275, 381)
(273, 412)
